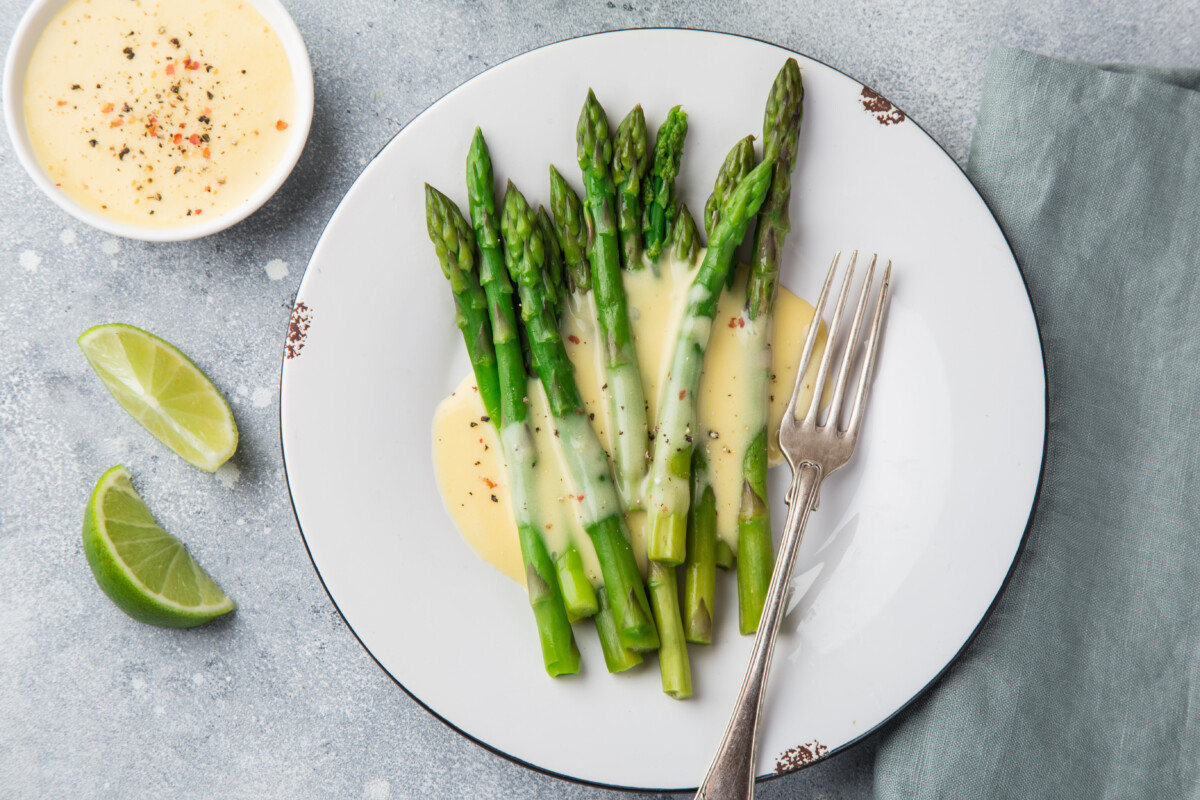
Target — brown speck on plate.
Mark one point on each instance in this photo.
(297, 334)
(881, 108)
(796, 757)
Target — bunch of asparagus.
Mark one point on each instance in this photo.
(512, 274)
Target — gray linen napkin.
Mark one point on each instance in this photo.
(1085, 682)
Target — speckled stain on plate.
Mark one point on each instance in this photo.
(297, 332)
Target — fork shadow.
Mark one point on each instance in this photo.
(815, 573)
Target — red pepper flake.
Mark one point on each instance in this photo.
(194, 65)
(579, 497)
(682, 393)
(152, 131)
(154, 120)
(108, 107)
(573, 339)
(62, 102)
(491, 484)
(281, 125)
(116, 123)
(206, 153)
(177, 138)
(741, 322)
(194, 139)
(170, 69)
(199, 211)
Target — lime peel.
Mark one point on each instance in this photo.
(164, 391)
(117, 525)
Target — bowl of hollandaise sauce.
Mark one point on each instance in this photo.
(160, 120)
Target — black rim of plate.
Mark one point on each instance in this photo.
(844, 747)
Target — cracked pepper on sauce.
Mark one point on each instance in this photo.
(158, 113)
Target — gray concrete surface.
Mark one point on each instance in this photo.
(281, 701)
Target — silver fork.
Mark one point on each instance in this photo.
(814, 452)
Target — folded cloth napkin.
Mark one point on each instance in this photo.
(1085, 681)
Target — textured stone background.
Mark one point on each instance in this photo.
(281, 701)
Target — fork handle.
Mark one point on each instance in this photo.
(731, 774)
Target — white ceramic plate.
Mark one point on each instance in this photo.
(913, 541)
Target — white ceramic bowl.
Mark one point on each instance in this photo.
(30, 29)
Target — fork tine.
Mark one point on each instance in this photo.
(827, 356)
(839, 390)
(810, 341)
(864, 380)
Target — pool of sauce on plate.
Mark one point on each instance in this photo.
(158, 113)
(469, 464)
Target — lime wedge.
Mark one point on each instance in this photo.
(146, 571)
(164, 391)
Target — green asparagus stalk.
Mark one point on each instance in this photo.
(632, 156)
(699, 582)
(576, 279)
(625, 396)
(617, 657)
(737, 166)
(755, 548)
(585, 459)
(672, 654)
(685, 241)
(506, 370)
(578, 593)
(781, 130)
(570, 228)
(700, 565)
(555, 274)
(724, 555)
(671, 468)
(659, 195)
(454, 242)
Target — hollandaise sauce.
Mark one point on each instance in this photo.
(159, 113)
(468, 454)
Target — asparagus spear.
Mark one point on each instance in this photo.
(699, 584)
(630, 164)
(781, 130)
(570, 228)
(617, 657)
(669, 501)
(586, 461)
(724, 555)
(555, 275)
(626, 398)
(659, 194)
(578, 593)
(685, 242)
(453, 241)
(506, 371)
(672, 654)
(737, 166)
(700, 566)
